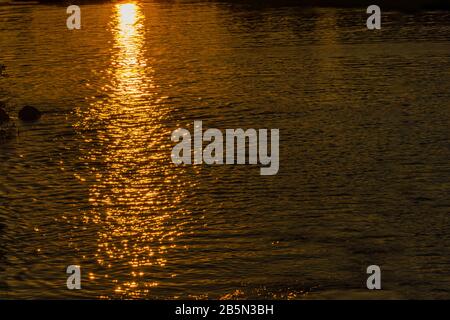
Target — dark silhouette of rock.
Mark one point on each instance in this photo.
(29, 114)
(4, 117)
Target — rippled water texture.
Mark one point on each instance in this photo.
(364, 153)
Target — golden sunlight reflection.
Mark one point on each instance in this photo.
(135, 207)
(130, 67)
(127, 15)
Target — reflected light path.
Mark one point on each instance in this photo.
(135, 198)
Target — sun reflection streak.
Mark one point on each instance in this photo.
(127, 15)
(130, 66)
(138, 214)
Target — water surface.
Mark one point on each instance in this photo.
(364, 173)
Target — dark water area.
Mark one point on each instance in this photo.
(408, 5)
(364, 147)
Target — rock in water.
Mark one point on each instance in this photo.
(29, 113)
(4, 117)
